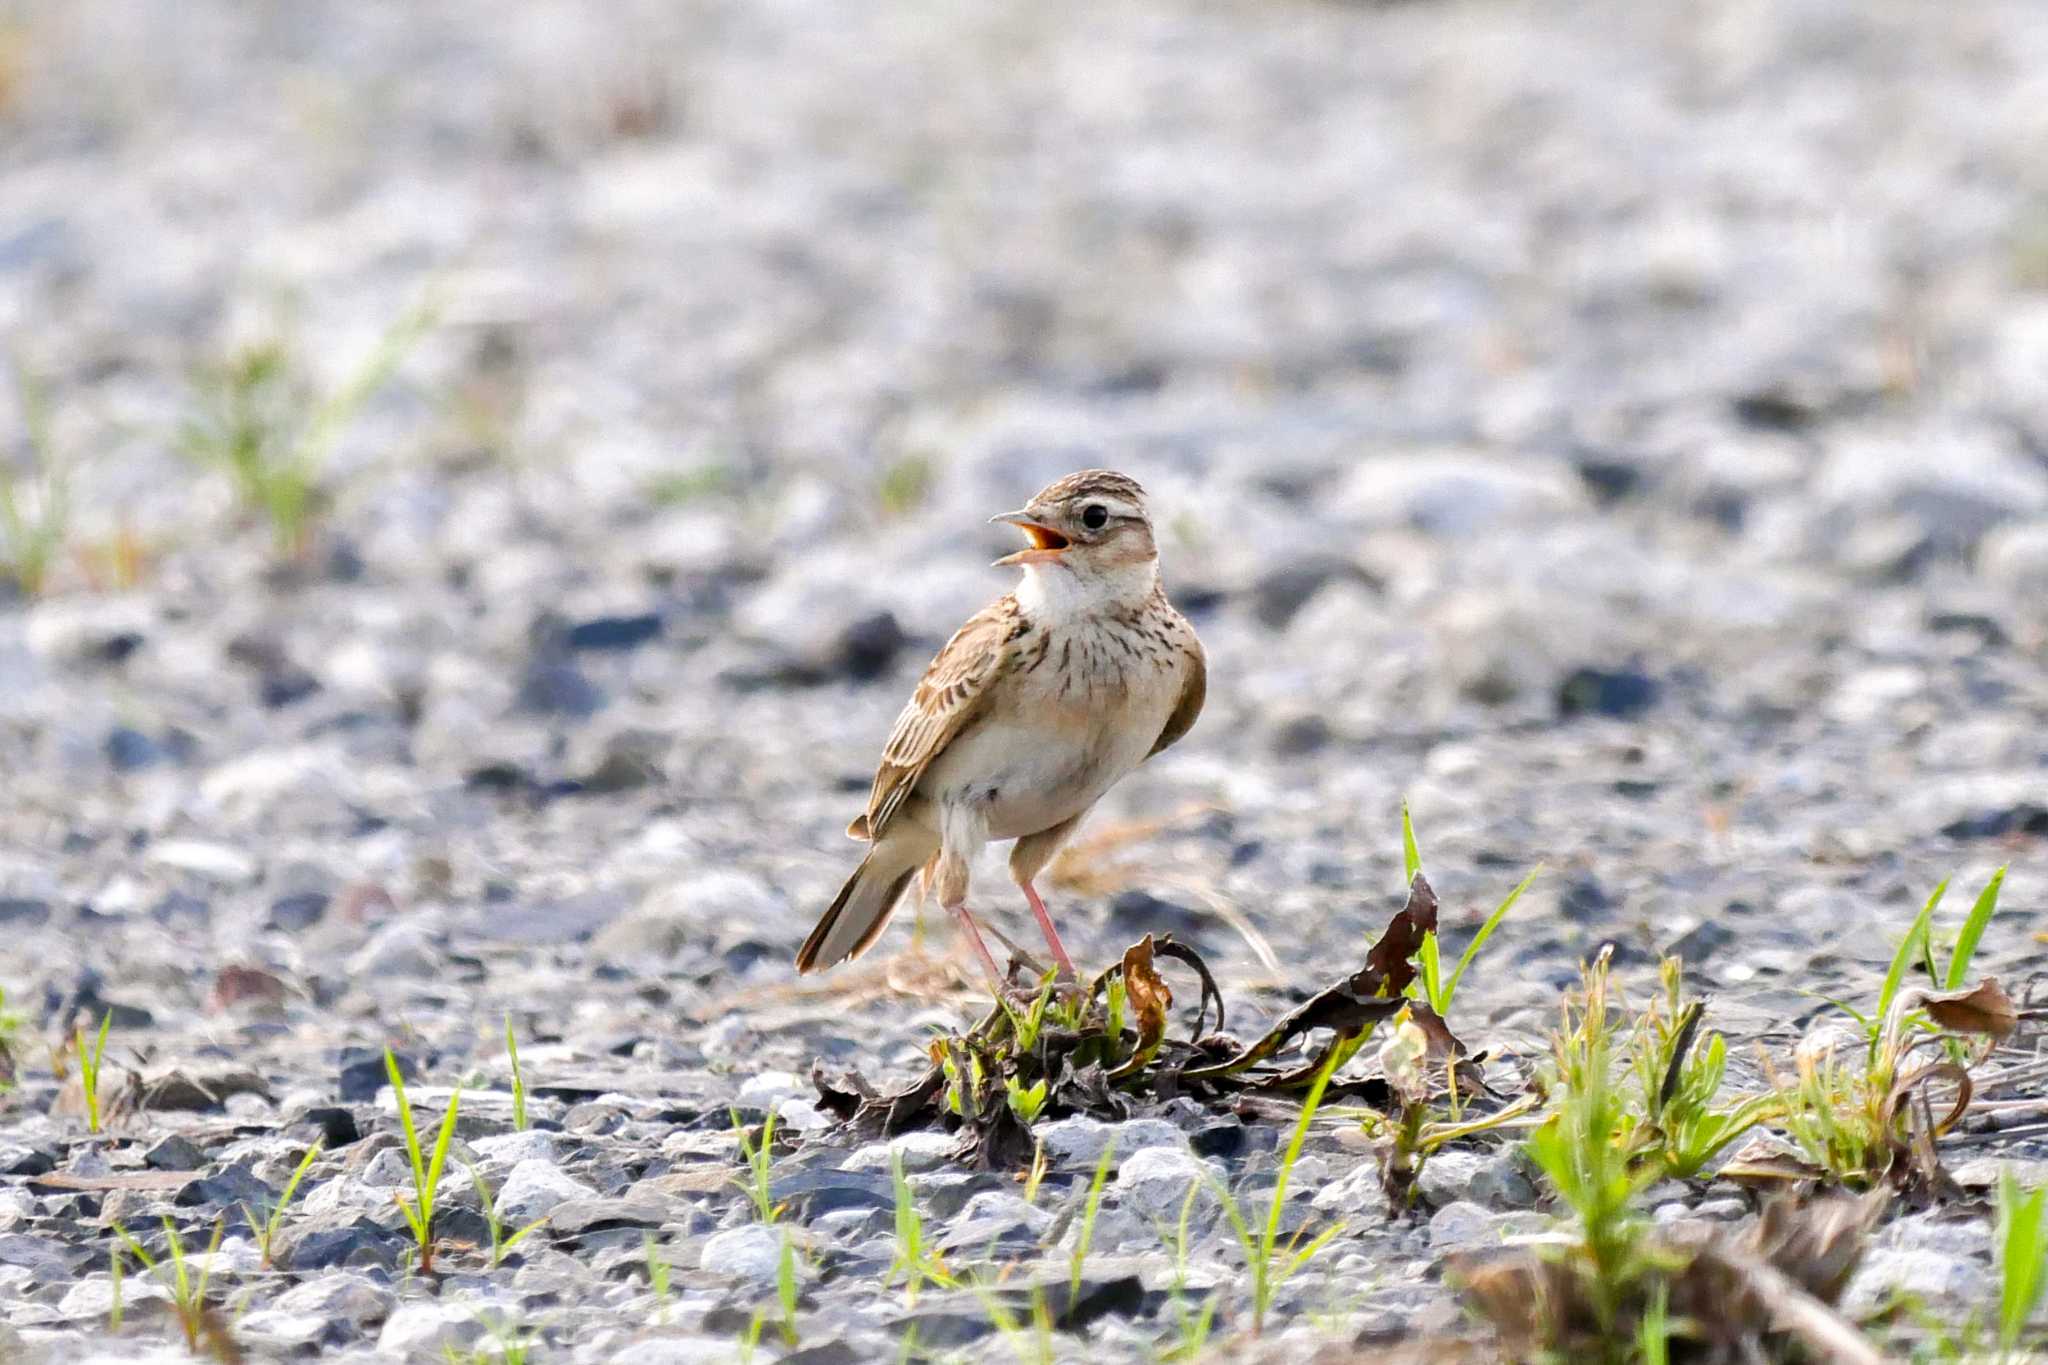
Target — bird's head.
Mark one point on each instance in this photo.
(1092, 525)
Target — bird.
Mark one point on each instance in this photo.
(1035, 708)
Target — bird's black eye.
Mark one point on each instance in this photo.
(1095, 517)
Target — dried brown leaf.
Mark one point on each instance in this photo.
(1983, 1008)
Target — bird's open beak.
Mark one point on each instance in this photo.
(1046, 543)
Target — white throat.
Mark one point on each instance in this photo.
(1054, 592)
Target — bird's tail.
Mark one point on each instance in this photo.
(861, 909)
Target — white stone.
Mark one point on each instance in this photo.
(922, 1151)
(93, 1298)
(765, 1089)
(752, 1253)
(1887, 1273)
(534, 1188)
(1155, 1180)
(1080, 1141)
(675, 1351)
(401, 948)
(429, 1328)
(346, 1297)
(509, 1149)
(215, 862)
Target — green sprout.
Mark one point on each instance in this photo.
(426, 1170)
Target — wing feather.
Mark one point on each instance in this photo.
(1194, 690)
(947, 699)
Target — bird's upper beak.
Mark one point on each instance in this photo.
(1046, 543)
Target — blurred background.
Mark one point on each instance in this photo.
(495, 470)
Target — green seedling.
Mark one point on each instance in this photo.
(502, 1243)
(760, 1159)
(196, 1320)
(35, 508)
(915, 1260)
(1672, 1116)
(115, 1310)
(1272, 1264)
(89, 1070)
(1084, 1241)
(426, 1169)
(257, 423)
(1577, 1151)
(784, 1313)
(657, 1275)
(1430, 983)
(1026, 1102)
(1191, 1328)
(518, 1079)
(2022, 1241)
(10, 1032)
(266, 1229)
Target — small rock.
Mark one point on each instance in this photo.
(555, 687)
(174, 1153)
(346, 1240)
(16, 1159)
(22, 912)
(752, 1253)
(613, 632)
(431, 1328)
(130, 751)
(92, 1298)
(1000, 1206)
(535, 1187)
(300, 910)
(1492, 1179)
(1887, 1273)
(278, 1333)
(363, 1073)
(1154, 1181)
(511, 1149)
(1079, 1141)
(401, 948)
(1466, 1224)
(1617, 693)
(354, 1299)
(675, 1351)
(215, 862)
(919, 1151)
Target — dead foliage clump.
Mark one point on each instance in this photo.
(1105, 1050)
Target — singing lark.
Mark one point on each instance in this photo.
(1034, 709)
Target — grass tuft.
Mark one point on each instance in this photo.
(257, 421)
(426, 1169)
(1270, 1263)
(89, 1060)
(35, 504)
(266, 1229)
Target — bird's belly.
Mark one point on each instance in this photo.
(1034, 773)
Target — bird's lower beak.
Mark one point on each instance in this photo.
(1046, 543)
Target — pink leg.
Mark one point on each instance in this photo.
(974, 941)
(1052, 937)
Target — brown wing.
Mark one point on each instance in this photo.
(1194, 689)
(948, 697)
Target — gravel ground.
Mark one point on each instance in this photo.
(1619, 430)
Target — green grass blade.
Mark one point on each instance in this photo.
(1479, 939)
(518, 1078)
(442, 1141)
(2022, 1256)
(1896, 977)
(412, 1137)
(1411, 857)
(1429, 975)
(1973, 931)
(1086, 1240)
